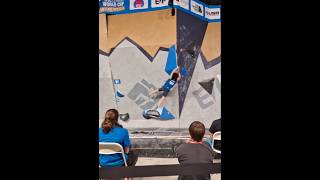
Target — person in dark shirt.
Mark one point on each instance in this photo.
(195, 151)
(215, 127)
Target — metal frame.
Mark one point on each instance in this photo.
(112, 148)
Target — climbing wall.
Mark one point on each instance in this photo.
(202, 100)
(136, 61)
(134, 76)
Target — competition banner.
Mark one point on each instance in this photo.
(107, 6)
(210, 13)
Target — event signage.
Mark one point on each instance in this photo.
(210, 13)
(138, 4)
(111, 6)
(159, 3)
(182, 3)
(197, 8)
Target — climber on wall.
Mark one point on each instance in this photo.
(167, 86)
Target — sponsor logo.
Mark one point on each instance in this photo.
(159, 3)
(212, 13)
(197, 8)
(182, 3)
(138, 3)
(111, 5)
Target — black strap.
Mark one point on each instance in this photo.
(159, 170)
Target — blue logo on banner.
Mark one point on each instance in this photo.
(111, 5)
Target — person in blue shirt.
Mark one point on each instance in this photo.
(112, 131)
(167, 86)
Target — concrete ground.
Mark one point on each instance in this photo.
(144, 161)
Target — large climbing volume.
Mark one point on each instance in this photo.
(165, 114)
(171, 63)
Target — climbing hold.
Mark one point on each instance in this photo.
(183, 72)
(124, 117)
(150, 113)
(119, 94)
(116, 81)
(171, 63)
(160, 113)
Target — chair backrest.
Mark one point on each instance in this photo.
(216, 136)
(108, 148)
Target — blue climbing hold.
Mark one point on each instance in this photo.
(117, 81)
(183, 72)
(171, 63)
(119, 94)
(165, 114)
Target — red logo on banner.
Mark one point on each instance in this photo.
(138, 3)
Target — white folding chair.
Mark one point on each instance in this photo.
(216, 136)
(109, 148)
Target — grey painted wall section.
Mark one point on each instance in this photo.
(199, 104)
(106, 92)
(137, 74)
